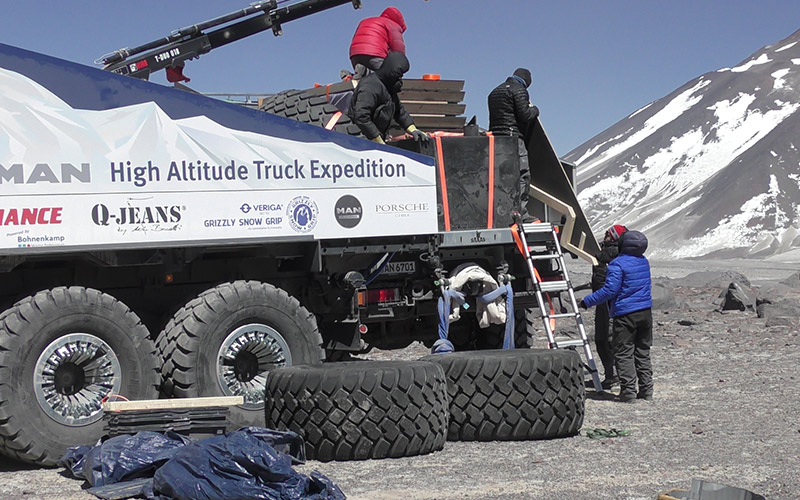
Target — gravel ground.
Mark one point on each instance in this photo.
(725, 410)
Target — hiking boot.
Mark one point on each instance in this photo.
(610, 382)
(626, 398)
(647, 396)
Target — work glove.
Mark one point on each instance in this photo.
(417, 134)
(378, 139)
(582, 304)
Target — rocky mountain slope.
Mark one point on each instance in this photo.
(712, 169)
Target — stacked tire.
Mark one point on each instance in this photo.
(516, 394)
(359, 410)
(317, 110)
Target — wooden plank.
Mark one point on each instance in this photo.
(431, 108)
(442, 85)
(439, 122)
(426, 95)
(176, 403)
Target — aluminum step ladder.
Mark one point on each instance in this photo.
(548, 247)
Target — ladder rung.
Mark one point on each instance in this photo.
(539, 227)
(554, 286)
(548, 256)
(569, 343)
(561, 315)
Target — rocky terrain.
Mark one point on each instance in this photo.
(725, 410)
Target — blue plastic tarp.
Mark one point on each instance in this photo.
(252, 462)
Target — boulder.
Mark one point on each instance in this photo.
(782, 308)
(792, 281)
(737, 298)
(663, 298)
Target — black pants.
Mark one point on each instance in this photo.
(633, 336)
(602, 339)
(363, 65)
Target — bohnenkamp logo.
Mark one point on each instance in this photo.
(302, 213)
(348, 211)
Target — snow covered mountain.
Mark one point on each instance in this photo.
(712, 169)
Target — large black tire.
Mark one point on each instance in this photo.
(315, 110)
(358, 410)
(71, 347)
(250, 327)
(513, 395)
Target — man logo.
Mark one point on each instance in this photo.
(302, 213)
(348, 211)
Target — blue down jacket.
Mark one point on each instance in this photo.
(627, 286)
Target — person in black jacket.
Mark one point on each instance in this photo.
(375, 103)
(609, 249)
(511, 113)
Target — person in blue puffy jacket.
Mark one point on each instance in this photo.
(627, 291)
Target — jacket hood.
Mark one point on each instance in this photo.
(633, 243)
(393, 68)
(393, 14)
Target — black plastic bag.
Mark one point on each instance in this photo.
(242, 464)
(123, 458)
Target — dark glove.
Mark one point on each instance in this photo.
(582, 304)
(417, 134)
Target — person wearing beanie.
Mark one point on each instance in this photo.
(627, 289)
(511, 113)
(374, 38)
(375, 102)
(609, 249)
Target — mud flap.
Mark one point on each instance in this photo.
(553, 186)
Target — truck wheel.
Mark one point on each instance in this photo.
(358, 410)
(513, 395)
(524, 331)
(316, 110)
(225, 341)
(64, 351)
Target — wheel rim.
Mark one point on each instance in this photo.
(72, 377)
(244, 359)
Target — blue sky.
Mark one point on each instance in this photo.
(593, 61)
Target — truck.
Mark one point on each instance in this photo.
(156, 242)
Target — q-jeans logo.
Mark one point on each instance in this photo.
(163, 214)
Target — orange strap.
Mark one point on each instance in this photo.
(443, 181)
(521, 248)
(334, 119)
(490, 211)
(547, 296)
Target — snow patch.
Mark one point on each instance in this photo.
(778, 76)
(762, 59)
(787, 46)
(796, 61)
(681, 103)
(639, 110)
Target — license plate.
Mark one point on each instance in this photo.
(400, 268)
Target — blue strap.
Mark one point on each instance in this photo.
(448, 296)
(508, 339)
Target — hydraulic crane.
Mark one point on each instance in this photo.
(171, 52)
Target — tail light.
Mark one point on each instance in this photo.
(379, 296)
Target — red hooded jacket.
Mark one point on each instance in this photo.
(377, 36)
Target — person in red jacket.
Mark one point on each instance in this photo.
(375, 37)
